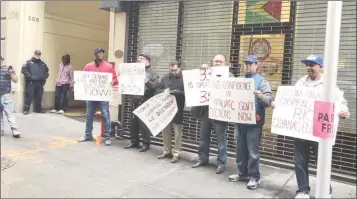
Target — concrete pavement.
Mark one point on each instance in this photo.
(48, 162)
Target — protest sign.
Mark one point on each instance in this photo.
(132, 78)
(157, 112)
(197, 83)
(232, 100)
(293, 114)
(92, 86)
(324, 114)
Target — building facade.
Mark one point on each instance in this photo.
(279, 33)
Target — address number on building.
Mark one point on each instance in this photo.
(34, 19)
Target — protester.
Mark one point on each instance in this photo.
(99, 65)
(314, 79)
(36, 74)
(64, 82)
(248, 135)
(201, 112)
(7, 74)
(152, 82)
(174, 82)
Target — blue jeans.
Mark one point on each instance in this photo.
(104, 108)
(205, 138)
(302, 156)
(247, 150)
(6, 102)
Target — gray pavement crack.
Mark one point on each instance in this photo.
(282, 187)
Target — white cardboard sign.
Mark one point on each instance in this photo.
(132, 78)
(92, 86)
(294, 111)
(157, 112)
(232, 100)
(197, 84)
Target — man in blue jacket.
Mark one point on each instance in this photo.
(248, 135)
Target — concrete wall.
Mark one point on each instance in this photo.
(73, 28)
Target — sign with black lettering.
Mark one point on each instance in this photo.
(197, 84)
(92, 86)
(293, 114)
(232, 100)
(132, 78)
(157, 112)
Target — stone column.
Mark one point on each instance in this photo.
(117, 31)
(24, 35)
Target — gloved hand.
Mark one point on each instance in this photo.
(174, 92)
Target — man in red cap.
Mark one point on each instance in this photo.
(152, 83)
(99, 65)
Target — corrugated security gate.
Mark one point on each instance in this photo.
(279, 33)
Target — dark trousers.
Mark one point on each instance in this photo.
(247, 150)
(34, 89)
(61, 97)
(136, 126)
(302, 155)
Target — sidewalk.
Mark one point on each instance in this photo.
(51, 163)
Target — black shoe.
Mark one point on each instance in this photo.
(85, 139)
(26, 112)
(41, 111)
(220, 169)
(199, 164)
(132, 145)
(144, 148)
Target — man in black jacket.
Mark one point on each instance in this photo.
(152, 82)
(174, 82)
(36, 74)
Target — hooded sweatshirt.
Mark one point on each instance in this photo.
(307, 82)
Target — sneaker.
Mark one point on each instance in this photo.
(236, 178)
(60, 112)
(108, 142)
(16, 133)
(253, 183)
(302, 195)
(53, 111)
(85, 139)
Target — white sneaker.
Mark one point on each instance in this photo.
(302, 195)
(60, 112)
(53, 111)
(15, 133)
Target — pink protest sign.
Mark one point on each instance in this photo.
(324, 116)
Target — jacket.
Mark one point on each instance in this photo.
(265, 101)
(5, 80)
(172, 82)
(104, 67)
(151, 87)
(65, 75)
(306, 82)
(35, 70)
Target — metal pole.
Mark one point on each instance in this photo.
(332, 44)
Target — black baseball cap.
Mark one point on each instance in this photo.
(37, 52)
(96, 50)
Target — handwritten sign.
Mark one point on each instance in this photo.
(157, 112)
(324, 115)
(197, 83)
(92, 86)
(232, 100)
(293, 114)
(132, 78)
